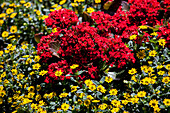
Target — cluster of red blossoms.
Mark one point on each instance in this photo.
(62, 18)
(82, 45)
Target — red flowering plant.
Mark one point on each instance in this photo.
(84, 46)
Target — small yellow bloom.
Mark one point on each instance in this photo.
(20, 76)
(168, 67)
(92, 87)
(108, 79)
(14, 71)
(24, 47)
(43, 72)
(132, 37)
(141, 94)
(153, 103)
(65, 106)
(87, 102)
(74, 66)
(97, 1)
(152, 53)
(90, 10)
(132, 71)
(5, 34)
(73, 88)
(13, 15)
(13, 29)
(166, 102)
(1, 53)
(162, 42)
(88, 82)
(62, 2)
(1, 22)
(9, 10)
(36, 66)
(58, 73)
(166, 80)
(63, 95)
(154, 34)
(38, 12)
(113, 92)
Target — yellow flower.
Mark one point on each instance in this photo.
(134, 78)
(38, 12)
(101, 89)
(143, 27)
(141, 94)
(1, 53)
(154, 34)
(90, 10)
(62, 2)
(73, 88)
(13, 15)
(97, 1)
(27, 5)
(38, 87)
(102, 106)
(74, 4)
(5, 34)
(65, 106)
(37, 58)
(74, 66)
(87, 102)
(1, 22)
(152, 53)
(108, 79)
(132, 71)
(79, 101)
(9, 10)
(2, 93)
(3, 74)
(26, 101)
(34, 106)
(54, 6)
(13, 29)
(31, 89)
(162, 42)
(153, 103)
(9, 99)
(24, 47)
(14, 71)
(89, 97)
(43, 72)
(168, 67)
(58, 73)
(36, 66)
(22, 1)
(146, 81)
(20, 76)
(115, 110)
(60, 7)
(38, 97)
(141, 54)
(1, 88)
(54, 30)
(132, 37)
(92, 87)
(95, 101)
(159, 66)
(88, 82)
(166, 80)
(31, 94)
(166, 102)
(161, 72)
(113, 92)
(115, 103)
(124, 102)
(63, 95)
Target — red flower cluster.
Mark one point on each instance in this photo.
(82, 45)
(62, 18)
